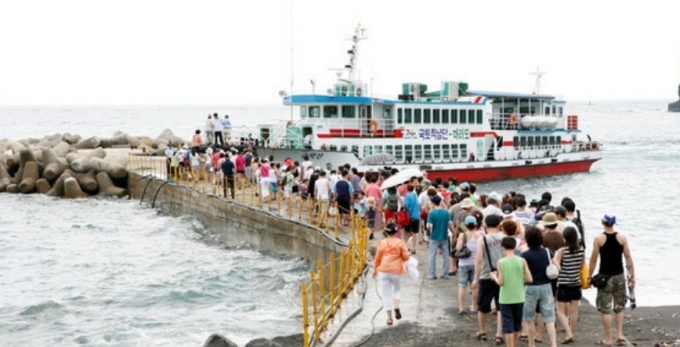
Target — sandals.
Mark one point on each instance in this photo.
(481, 336)
(397, 313)
(499, 341)
(567, 341)
(389, 321)
(601, 343)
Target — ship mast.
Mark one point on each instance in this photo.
(538, 90)
(351, 67)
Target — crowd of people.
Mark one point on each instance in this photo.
(522, 261)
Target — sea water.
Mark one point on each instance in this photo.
(109, 272)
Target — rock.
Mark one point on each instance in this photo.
(42, 186)
(91, 143)
(54, 170)
(107, 188)
(120, 140)
(262, 342)
(71, 139)
(290, 341)
(30, 176)
(72, 189)
(25, 156)
(165, 134)
(5, 179)
(82, 163)
(114, 168)
(86, 181)
(13, 189)
(216, 340)
(58, 186)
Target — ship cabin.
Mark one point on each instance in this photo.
(453, 124)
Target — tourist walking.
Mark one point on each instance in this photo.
(610, 247)
(570, 261)
(343, 195)
(196, 141)
(488, 253)
(439, 223)
(228, 170)
(538, 294)
(466, 266)
(512, 272)
(413, 209)
(389, 265)
(209, 130)
(218, 126)
(266, 175)
(322, 193)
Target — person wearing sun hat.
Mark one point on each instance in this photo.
(610, 247)
(389, 265)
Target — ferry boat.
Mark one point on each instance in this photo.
(451, 132)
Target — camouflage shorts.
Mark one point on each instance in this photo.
(614, 292)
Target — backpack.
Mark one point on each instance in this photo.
(579, 225)
(393, 202)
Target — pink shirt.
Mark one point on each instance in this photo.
(196, 140)
(373, 190)
(240, 163)
(264, 170)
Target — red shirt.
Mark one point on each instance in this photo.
(240, 163)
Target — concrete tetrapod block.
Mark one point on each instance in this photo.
(54, 167)
(82, 163)
(61, 149)
(13, 189)
(72, 189)
(5, 179)
(90, 143)
(120, 140)
(87, 181)
(42, 186)
(30, 176)
(115, 167)
(58, 186)
(106, 187)
(25, 156)
(71, 139)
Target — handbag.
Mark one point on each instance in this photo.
(584, 276)
(599, 281)
(551, 271)
(465, 252)
(403, 218)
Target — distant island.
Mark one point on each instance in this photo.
(675, 106)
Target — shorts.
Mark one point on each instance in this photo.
(488, 290)
(567, 294)
(287, 191)
(248, 172)
(343, 204)
(413, 226)
(241, 171)
(614, 291)
(512, 317)
(539, 299)
(390, 215)
(466, 274)
(371, 223)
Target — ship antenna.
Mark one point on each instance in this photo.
(292, 61)
(538, 90)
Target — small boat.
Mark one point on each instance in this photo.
(450, 132)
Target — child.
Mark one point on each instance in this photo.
(288, 182)
(371, 213)
(512, 272)
(360, 204)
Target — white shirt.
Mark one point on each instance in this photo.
(305, 164)
(334, 178)
(218, 125)
(322, 188)
(308, 139)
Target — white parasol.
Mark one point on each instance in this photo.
(377, 159)
(393, 181)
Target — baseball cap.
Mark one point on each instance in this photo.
(470, 220)
(560, 210)
(436, 199)
(465, 186)
(507, 210)
(609, 219)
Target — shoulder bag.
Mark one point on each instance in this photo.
(488, 255)
(551, 271)
(465, 252)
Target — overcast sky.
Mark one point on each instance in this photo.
(239, 52)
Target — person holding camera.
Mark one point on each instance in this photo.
(610, 282)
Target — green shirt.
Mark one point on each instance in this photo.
(512, 291)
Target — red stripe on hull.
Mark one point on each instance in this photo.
(513, 172)
(483, 133)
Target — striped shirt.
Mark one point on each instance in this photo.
(570, 274)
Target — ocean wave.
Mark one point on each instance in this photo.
(39, 308)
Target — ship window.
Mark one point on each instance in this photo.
(463, 151)
(446, 153)
(545, 141)
(437, 152)
(314, 112)
(408, 119)
(445, 116)
(355, 150)
(389, 149)
(435, 117)
(515, 142)
(454, 152)
(427, 152)
(377, 149)
(303, 111)
(400, 116)
(454, 116)
(330, 112)
(387, 113)
(554, 110)
(560, 110)
(471, 116)
(333, 147)
(522, 141)
(552, 140)
(418, 153)
(343, 148)
(559, 140)
(427, 116)
(349, 111)
(480, 118)
(368, 150)
(530, 141)
(408, 153)
(463, 116)
(398, 154)
(547, 110)
(417, 116)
